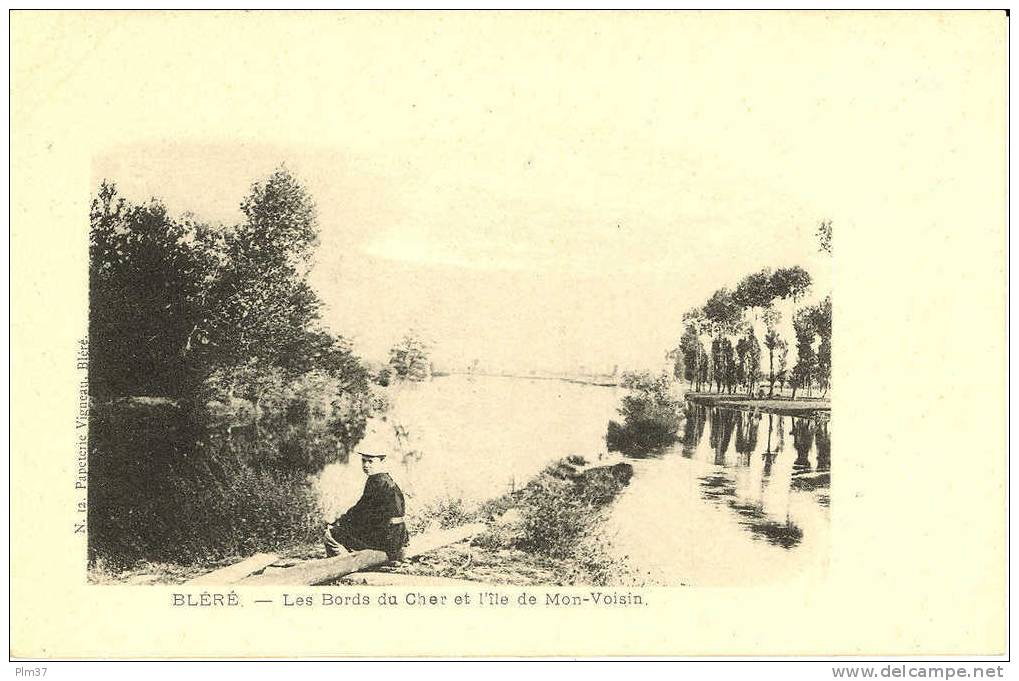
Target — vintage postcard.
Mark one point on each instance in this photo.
(531, 334)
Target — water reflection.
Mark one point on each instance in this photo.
(755, 474)
(741, 499)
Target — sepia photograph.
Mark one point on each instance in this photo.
(509, 334)
(295, 389)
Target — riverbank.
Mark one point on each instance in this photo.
(802, 407)
(545, 533)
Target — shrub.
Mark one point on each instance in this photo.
(594, 563)
(554, 518)
(651, 416)
(494, 508)
(496, 538)
(165, 487)
(305, 422)
(558, 512)
(446, 513)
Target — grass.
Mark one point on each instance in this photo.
(161, 491)
(545, 533)
(445, 514)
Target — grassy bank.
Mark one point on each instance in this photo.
(801, 406)
(543, 534)
(173, 492)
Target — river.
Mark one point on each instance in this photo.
(477, 437)
(742, 499)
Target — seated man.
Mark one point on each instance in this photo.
(376, 520)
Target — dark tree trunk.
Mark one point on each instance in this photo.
(771, 373)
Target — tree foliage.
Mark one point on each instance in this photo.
(824, 236)
(755, 290)
(748, 351)
(790, 282)
(150, 276)
(806, 359)
(409, 357)
(651, 415)
(173, 300)
(722, 311)
(737, 324)
(196, 312)
(217, 390)
(693, 353)
(821, 321)
(262, 306)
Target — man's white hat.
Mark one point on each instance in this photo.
(379, 440)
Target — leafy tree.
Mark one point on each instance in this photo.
(748, 350)
(262, 307)
(692, 351)
(704, 370)
(806, 362)
(722, 312)
(723, 316)
(148, 276)
(696, 356)
(175, 301)
(771, 341)
(821, 321)
(409, 357)
(790, 282)
(732, 320)
(651, 415)
(719, 356)
(782, 353)
(755, 290)
(824, 236)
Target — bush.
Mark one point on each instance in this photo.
(651, 416)
(554, 518)
(165, 487)
(305, 422)
(496, 538)
(594, 563)
(559, 509)
(446, 513)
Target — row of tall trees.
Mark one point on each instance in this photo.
(726, 340)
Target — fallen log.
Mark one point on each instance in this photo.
(318, 571)
(324, 570)
(235, 572)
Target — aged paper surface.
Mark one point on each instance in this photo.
(556, 189)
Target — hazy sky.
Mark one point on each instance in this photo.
(559, 207)
(552, 263)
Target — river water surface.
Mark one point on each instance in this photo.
(741, 500)
(478, 437)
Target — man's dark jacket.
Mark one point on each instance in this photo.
(369, 523)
